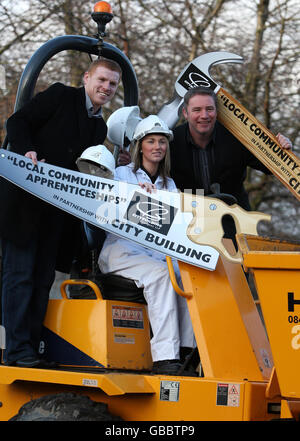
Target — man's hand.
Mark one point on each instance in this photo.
(33, 156)
(124, 157)
(284, 141)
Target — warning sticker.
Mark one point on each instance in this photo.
(228, 394)
(124, 338)
(169, 390)
(89, 382)
(127, 317)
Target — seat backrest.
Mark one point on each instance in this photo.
(112, 286)
(95, 236)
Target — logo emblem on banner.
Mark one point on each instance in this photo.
(194, 77)
(150, 213)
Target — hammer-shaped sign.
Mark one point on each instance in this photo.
(197, 72)
(194, 76)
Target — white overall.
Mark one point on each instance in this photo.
(168, 312)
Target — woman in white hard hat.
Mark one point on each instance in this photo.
(168, 312)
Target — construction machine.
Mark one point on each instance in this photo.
(249, 347)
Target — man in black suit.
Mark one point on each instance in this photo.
(204, 152)
(56, 126)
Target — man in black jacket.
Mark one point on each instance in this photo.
(56, 126)
(204, 153)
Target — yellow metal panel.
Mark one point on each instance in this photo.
(249, 243)
(256, 404)
(138, 397)
(230, 336)
(269, 260)
(134, 397)
(261, 252)
(128, 347)
(111, 383)
(197, 401)
(283, 326)
(18, 386)
(77, 321)
(290, 409)
(275, 265)
(89, 325)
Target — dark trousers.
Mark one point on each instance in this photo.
(27, 276)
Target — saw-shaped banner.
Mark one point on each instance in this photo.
(171, 223)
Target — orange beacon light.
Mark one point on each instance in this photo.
(103, 7)
(102, 15)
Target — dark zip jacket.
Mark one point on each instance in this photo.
(224, 161)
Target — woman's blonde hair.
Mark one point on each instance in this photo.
(164, 165)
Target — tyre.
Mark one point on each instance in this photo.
(64, 407)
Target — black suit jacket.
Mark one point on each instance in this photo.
(56, 125)
(230, 162)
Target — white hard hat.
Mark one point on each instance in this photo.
(121, 125)
(97, 160)
(152, 124)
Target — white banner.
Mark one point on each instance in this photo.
(154, 220)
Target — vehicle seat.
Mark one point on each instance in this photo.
(112, 286)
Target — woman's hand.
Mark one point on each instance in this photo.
(148, 187)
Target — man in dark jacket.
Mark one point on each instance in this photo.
(204, 153)
(56, 126)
